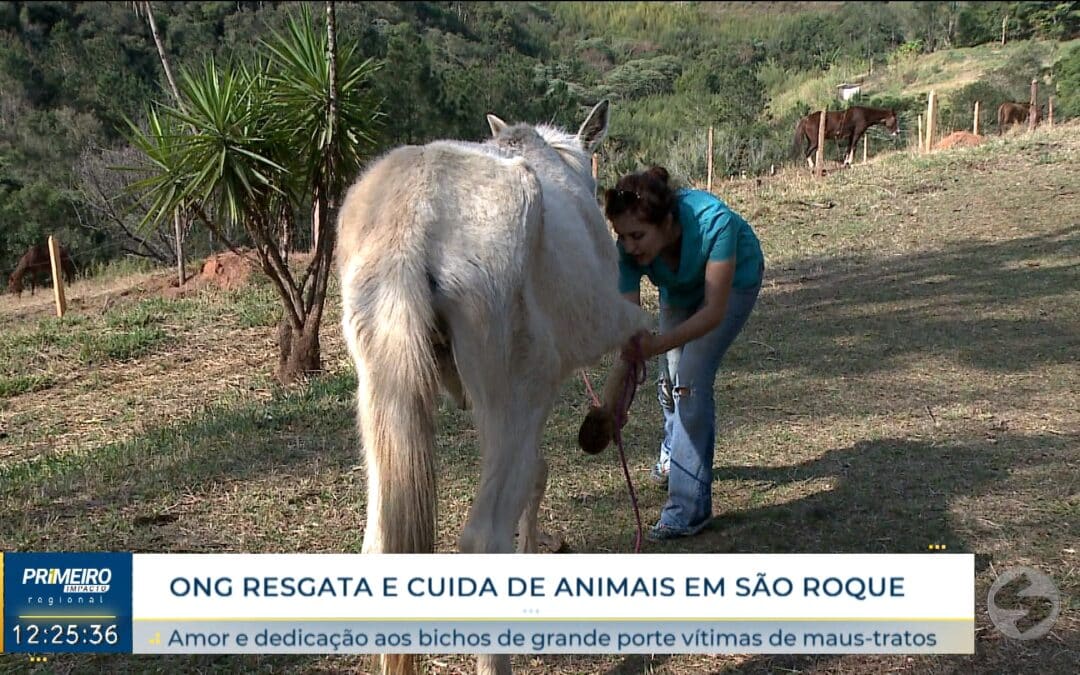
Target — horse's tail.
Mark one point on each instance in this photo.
(388, 321)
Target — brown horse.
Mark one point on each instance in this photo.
(34, 264)
(1011, 113)
(848, 125)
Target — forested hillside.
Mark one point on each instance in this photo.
(72, 73)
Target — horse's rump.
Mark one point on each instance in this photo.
(1013, 112)
(406, 212)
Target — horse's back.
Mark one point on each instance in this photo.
(467, 212)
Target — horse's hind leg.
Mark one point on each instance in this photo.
(510, 409)
(528, 527)
(510, 406)
(512, 486)
(510, 469)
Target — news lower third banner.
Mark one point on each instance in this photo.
(507, 604)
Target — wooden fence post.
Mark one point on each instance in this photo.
(1050, 112)
(922, 146)
(975, 122)
(708, 182)
(819, 161)
(1033, 105)
(58, 277)
(865, 147)
(931, 113)
(178, 229)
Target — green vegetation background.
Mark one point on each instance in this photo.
(71, 72)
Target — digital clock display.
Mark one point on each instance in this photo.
(65, 635)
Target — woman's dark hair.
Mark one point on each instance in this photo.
(646, 194)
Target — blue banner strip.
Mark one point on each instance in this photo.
(67, 602)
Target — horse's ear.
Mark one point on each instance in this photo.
(595, 127)
(496, 125)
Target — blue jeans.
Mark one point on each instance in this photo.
(685, 389)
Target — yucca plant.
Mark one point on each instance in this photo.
(254, 145)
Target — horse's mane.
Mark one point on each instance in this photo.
(513, 140)
(20, 267)
(25, 260)
(566, 144)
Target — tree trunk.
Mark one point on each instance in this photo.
(161, 52)
(298, 347)
(298, 350)
(178, 215)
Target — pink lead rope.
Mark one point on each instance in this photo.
(635, 377)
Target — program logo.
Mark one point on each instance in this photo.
(73, 579)
(1017, 600)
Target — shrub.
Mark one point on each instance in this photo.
(1067, 84)
(957, 111)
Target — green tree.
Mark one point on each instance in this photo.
(258, 145)
(979, 23)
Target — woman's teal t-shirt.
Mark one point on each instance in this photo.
(711, 231)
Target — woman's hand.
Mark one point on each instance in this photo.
(641, 347)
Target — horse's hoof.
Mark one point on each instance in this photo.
(555, 543)
(596, 431)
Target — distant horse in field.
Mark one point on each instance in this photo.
(1011, 113)
(34, 265)
(848, 125)
(487, 268)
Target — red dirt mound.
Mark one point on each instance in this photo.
(224, 270)
(227, 270)
(963, 139)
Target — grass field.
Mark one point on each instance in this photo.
(910, 376)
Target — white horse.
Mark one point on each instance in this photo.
(487, 268)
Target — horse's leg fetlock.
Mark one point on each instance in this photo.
(477, 538)
(528, 527)
(493, 664)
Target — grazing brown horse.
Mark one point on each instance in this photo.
(848, 125)
(1011, 113)
(35, 264)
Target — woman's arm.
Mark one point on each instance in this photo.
(598, 428)
(718, 276)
